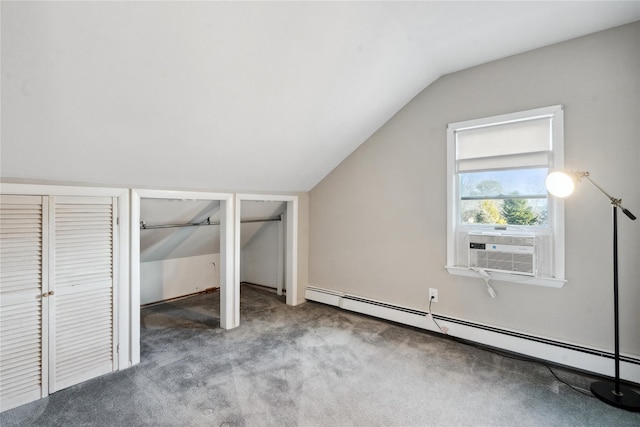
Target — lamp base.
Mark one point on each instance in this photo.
(606, 391)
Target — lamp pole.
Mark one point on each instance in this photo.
(561, 184)
(615, 394)
(616, 320)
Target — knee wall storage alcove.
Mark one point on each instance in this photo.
(179, 247)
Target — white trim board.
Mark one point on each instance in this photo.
(521, 279)
(566, 354)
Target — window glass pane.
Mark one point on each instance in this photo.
(510, 197)
(521, 212)
(505, 182)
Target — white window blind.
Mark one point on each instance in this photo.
(519, 144)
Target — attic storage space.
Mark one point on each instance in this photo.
(179, 248)
(263, 243)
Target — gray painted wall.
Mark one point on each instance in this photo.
(378, 221)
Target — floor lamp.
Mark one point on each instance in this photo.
(562, 184)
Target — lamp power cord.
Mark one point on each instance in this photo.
(445, 331)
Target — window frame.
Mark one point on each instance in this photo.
(555, 226)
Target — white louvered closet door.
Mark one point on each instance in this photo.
(23, 299)
(82, 309)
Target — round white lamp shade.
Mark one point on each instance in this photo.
(560, 184)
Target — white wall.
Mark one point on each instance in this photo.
(378, 221)
(175, 277)
(259, 258)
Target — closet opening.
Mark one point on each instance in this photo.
(179, 256)
(266, 244)
(182, 251)
(262, 244)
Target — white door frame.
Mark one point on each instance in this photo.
(229, 301)
(291, 259)
(123, 282)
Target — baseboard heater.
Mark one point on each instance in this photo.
(561, 353)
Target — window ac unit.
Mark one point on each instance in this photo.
(502, 252)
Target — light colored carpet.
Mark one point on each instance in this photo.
(313, 365)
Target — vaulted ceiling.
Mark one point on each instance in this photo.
(247, 96)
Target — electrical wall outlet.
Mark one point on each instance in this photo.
(433, 294)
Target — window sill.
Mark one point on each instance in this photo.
(549, 282)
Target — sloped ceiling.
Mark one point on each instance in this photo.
(246, 96)
(257, 210)
(178, 242)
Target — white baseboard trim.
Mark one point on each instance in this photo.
(566, 354)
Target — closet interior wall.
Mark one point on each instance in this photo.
(180, 257)
(262, 243)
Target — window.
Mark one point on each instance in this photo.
(496, 195)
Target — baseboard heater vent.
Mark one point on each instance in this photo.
(390, 306)
(558, 352)
(490, 328)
